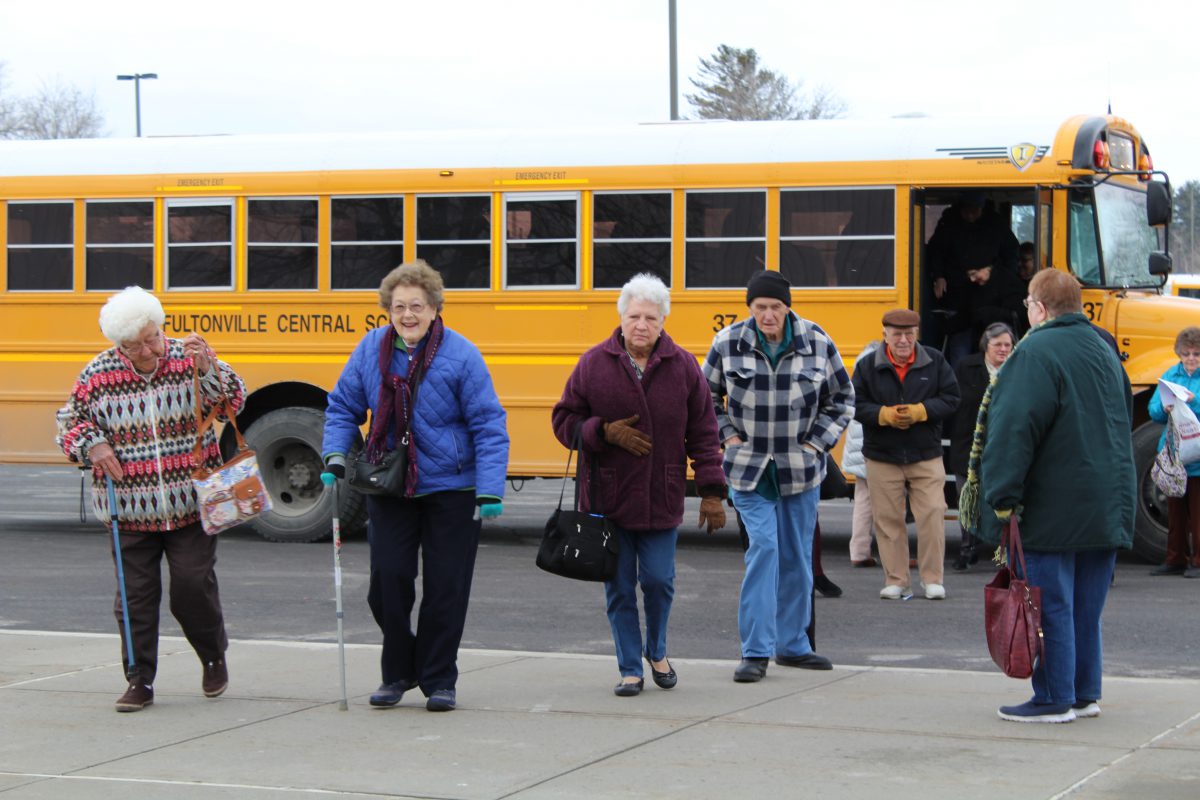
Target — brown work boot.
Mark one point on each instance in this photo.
(136, 697)
(216, 678)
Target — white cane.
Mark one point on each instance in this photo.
(330, 481)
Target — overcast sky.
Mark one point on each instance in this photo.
(257, 66)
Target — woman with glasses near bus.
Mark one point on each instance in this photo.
(1183, 513)
(457, 460)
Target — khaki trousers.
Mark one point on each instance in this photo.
(923, 484)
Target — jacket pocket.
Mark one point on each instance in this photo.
(675, 488)
(606, 492)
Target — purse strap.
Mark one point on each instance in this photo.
(1012, 541)
(203, 423)
(577, 445)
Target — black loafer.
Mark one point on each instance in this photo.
(663, 680)
(751, 670)
(806, 661)
(826, 587)
(389, 694)
(629, 688)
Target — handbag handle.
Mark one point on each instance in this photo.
(577, 445)
(1012, 540)
(203, 423)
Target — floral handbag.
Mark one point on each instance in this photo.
(233, 493)
(1168, 473)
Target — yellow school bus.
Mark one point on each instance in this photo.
(273, 248)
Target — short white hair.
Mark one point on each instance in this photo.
(129, 311)
(645, 287)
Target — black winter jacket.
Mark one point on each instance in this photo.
(876, 384)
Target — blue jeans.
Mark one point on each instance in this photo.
(776, 601)
(1074, 587)
(647, 558)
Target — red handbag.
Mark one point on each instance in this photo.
(1012, 613)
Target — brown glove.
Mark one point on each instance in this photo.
(622, 434)
(713, 513)
(917, 413)
(895, 417)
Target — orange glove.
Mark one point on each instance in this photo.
(918, 413)
(622, 434)
(894, 417)
(712, 512)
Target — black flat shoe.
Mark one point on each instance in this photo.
(826, 587)
(663, 680)
(629, 688)
(750, 670)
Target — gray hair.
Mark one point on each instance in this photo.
(645, 287)
(129, 311)
(993, 331)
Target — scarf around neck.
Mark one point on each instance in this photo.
(394, 406)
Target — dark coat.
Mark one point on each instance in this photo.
(673, 401)
(973, 377)
(1058, 445)
(876, 384)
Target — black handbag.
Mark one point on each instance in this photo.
(576, 544)
(388, 476)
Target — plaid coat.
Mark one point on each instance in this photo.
(806, 400)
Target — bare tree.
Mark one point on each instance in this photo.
(734, 85)
(8, 114)
(59, 111)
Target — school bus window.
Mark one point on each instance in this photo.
(541, 245)
(726, 239)
(282, 244)
(454, 236)
(367, 240)
(120, 244)
(1083, 252)
(200, 244)
(837, 237)
(40, 247)
(631, 234)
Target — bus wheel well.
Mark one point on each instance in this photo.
(271, 398)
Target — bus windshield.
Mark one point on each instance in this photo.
(1126, 241)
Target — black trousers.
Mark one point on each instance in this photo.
(195, 599)
(441, 527)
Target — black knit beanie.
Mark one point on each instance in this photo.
(766, 283)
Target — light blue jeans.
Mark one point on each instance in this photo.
(1074, 587)
(776, 602)
(647, 558)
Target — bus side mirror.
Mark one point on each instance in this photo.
(1158, 204)
(1160, 263)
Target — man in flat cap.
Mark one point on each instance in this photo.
(903, 393)
(782, 398)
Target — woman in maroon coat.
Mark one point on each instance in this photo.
(642, 409)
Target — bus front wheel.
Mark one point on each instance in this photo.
(1150, 516)
(288, 444)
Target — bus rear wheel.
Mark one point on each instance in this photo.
(1150, 516)
(288, 444)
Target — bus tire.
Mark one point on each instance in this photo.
(288, 444)
(1150, 515)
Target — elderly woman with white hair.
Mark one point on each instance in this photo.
(132, 415)
(642, 410)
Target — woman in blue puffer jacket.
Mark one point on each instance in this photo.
(1183, 513)
(457, 461)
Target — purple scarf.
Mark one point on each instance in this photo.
(393, 408)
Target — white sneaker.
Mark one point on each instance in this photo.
(934, 591)
(1086, 708)
(893, 592)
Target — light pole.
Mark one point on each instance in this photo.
(137, 92)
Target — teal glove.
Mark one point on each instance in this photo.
(491, 509)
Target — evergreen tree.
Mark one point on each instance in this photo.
(1185, 228)
(733, 85)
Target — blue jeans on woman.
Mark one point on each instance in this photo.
(1074, 587)
(647, 558)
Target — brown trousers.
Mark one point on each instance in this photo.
(195, 600)
(923, 483)
(1183, 526)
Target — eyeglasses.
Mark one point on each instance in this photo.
(137, 347)
(1029, 301)
(400, 309)
(1189, 354)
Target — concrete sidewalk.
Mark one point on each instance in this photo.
(546, 725)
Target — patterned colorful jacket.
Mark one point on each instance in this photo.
(151, 425)
(807, 400)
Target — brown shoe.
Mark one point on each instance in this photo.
(136, 697)
(866, 562)
(216, 678)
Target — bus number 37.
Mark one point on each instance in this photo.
(721, 321)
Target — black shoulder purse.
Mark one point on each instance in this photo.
(388, 476)
(576, 544)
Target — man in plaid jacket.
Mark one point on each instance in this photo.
(782, 398)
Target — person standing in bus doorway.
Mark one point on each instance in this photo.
(1055, 449)
(457, 462)
(132, 414)
(782, 398)
(642, 410)
(968, 238)
(1183, 513)
(905, 391)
